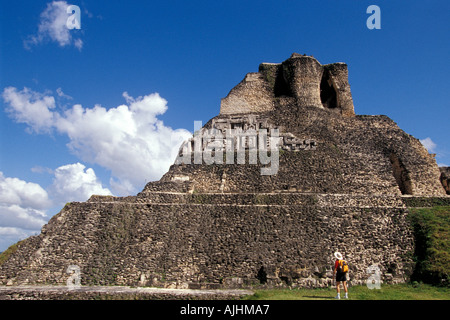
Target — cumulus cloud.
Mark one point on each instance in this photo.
(15, 216)
(73, 183)
(14, 191)
(129, 140)
(22, 209)
(32, 108)
(52, 26)
(428, 144)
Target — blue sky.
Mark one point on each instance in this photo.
(91, 110)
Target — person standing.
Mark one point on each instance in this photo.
(340, 272)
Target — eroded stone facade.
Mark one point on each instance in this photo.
(301, 78)
(242, 132)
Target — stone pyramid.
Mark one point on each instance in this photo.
(262, 194)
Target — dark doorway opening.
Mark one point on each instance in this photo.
(327, 92)
(262, 276)
(281, 87)
(400, 174)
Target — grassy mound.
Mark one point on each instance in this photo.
(432, 244)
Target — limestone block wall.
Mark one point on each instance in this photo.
(205, 240)
(359, 149)
(300, 77)
(338, 75)
(251, 95)
(357, 155)
(303, 75)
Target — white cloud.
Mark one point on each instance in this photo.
(15, 216)
(30, 107)
(40, 169)
(428, 144)
(62, 94)
(122, 187)
(23, 208)
(14, 191)
(129, 140)
(12, 232)
(78, 43)
(73, 183)
(52, 26)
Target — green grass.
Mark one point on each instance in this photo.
(5, 254)
(432, 244)
(387, 292)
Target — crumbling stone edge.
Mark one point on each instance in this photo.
(115, 293)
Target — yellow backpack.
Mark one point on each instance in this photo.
(343, 266)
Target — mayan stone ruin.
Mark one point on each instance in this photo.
(341, 182)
